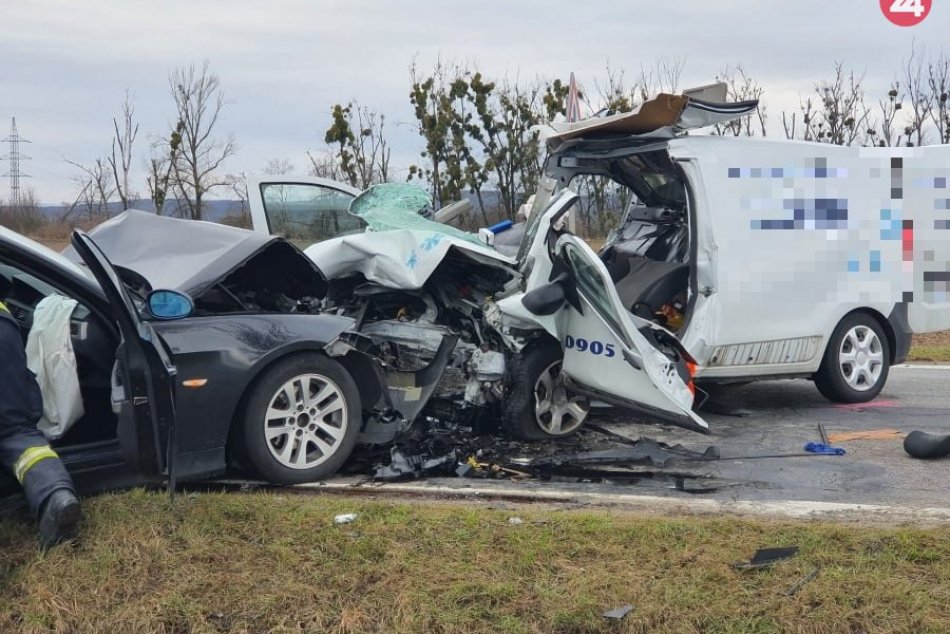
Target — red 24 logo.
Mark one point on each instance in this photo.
(906, 12)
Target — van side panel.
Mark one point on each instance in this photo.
(805, 233)
(922, 176)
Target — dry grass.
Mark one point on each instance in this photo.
(931, 346)
(264, 562)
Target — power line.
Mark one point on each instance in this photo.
(15, 157)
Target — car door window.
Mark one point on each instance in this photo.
(594, 287)
(308, 213)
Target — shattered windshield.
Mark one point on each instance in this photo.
(400, 206)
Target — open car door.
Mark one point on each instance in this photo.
(615, 356)
(142, 379)
(302, 209)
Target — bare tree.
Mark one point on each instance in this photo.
(664, 76)
(938, 75)
(96, 188)
(887, 134)
(324, 165)
(278, 167)
(196, 170)
(358, 136)
(121, 158)
(237, 184)
(161, 165)
(839, 114)
(918, 97)
(615, 95)
(742, 87)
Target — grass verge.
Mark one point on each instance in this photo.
(265, 562)
(931, 346)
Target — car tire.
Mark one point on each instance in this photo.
(533, 381)
(322, 422)
(856, 362)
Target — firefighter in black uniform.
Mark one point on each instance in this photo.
(23, 448)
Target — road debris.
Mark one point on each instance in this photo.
(798, 585)
(618, 613)
(823, 449)
(345, 518)
(920, 444)
(435, 448)
(765, 557)
(515, 521)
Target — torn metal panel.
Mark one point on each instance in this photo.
(405, 467)
(660, 117)
(644, 451)
(410, 391)
(401, 258)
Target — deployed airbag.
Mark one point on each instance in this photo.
(50, 356)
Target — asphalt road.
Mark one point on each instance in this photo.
(874, 478)
(784, 415)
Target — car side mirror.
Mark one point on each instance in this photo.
(167, 305)
(545, 300)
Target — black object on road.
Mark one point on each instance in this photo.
(765, 557)
(920, 444)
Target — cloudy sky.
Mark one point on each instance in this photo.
(65, 65)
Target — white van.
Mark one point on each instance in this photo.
(796, 259)
(765, 259)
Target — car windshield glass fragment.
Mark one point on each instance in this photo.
(391, 206)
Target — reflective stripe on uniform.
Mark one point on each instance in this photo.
(29, 458)
(4, 308)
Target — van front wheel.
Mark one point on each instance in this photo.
(856, 362)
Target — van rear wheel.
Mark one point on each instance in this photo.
(856, 362)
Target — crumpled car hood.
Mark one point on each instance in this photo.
(397, 258)
(192, 256)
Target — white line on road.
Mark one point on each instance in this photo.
(921, 366)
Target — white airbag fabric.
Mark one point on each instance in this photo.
(50, 355)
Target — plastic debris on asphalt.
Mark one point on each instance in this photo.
(920, 444)
(823, 449)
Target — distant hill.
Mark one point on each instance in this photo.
(214, 210)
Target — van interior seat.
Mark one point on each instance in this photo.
(640, 280)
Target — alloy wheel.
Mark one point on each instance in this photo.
(557, 412)
(305, 421)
